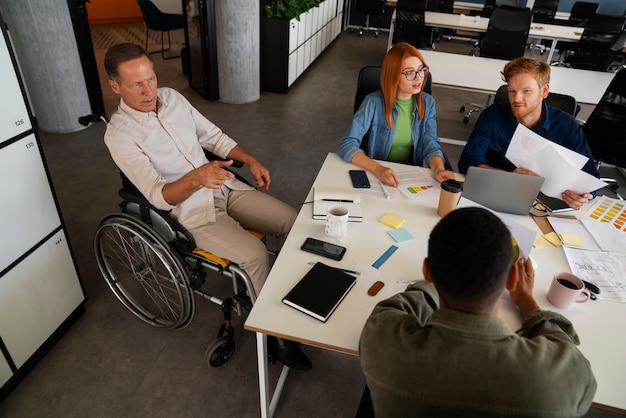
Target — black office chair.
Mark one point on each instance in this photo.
(605, 128)
(507, 33)
(158, 21)
(368, 82)
(410, 26)
(581, 12)
(435, 33)
(369, 8)
(506, 37)
(601, 42)
(544, 11)
(564, 102)
(490, 5)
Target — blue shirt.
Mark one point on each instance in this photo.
(370, 120)
(494, 129)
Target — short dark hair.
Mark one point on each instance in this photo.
(470, 252)
(119, 54)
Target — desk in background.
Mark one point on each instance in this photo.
(596, 322)
(480, 74)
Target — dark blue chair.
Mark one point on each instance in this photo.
(158, 21)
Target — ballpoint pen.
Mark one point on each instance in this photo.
(312, 263)
(385, 191)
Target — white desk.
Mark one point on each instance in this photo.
(480, 74)
(597, 322)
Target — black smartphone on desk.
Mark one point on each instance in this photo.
(323, 248)
(359, 179)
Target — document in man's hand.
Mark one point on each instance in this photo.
(320, 291)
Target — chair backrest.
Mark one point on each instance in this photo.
(369, 81)
(544, 11)
(370, 7)
(581, 12)
(506, 33)
(410, 23)
(564, 102)
(602, 40)
(156, 20)
(606, 125)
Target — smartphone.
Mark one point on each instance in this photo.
(359, 179)
(323, 248)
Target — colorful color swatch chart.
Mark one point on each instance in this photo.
(611, 211)
(417, 185)
(419, 188)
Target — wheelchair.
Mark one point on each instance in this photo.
(153, 267)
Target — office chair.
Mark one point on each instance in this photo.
(369, 8)
(490, 5)
(410, 26)
(543, 11)
(564, 102)
(441, 6)
(606, 125)
(368, 82)
(158, 21)
(506, 37)
(601, 42)
(581, 12)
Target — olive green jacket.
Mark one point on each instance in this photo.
(423, 361)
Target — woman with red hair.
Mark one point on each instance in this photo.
(398, 120)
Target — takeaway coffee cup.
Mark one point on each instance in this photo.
(449, 196)
(337, 221)
(567, 289)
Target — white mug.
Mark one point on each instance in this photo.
(337, 221)
(567, 289)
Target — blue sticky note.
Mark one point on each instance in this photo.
(400, 235)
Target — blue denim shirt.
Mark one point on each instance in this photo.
(370, 119)
(494, 129)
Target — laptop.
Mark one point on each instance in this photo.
(501, 191)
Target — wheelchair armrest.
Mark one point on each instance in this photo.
(212, 157)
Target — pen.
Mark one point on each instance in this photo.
(338, 200)
(312, 263)
(385, 191)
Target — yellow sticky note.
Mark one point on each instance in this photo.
(571, 239)
(392, 220)
(553, 239)
(541, 242)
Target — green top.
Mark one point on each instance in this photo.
(402, 147)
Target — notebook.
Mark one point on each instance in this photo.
(552, 204)
(501, 191)
(320, 291)
(325, 196)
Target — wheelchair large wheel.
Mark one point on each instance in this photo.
(143, 272)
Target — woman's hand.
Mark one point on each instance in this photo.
(444, 175)
(386, 175)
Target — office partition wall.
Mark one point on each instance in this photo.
(40, 291)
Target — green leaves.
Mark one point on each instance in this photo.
(288, 8)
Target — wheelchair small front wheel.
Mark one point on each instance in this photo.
(220, 351)
(143, 272)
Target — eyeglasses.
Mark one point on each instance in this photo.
(412, 75)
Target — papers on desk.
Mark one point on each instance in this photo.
(561, 167)
(607, 270)
(414, 185)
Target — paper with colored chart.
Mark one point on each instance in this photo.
(418, 185)
(606, 222)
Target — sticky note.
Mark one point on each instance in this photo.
(541, 242)
(571, 239)
(392, 220)
(400, 235)
(553, 239)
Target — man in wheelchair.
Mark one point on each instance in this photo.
(157, 139)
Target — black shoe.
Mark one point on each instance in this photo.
(288, 352)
